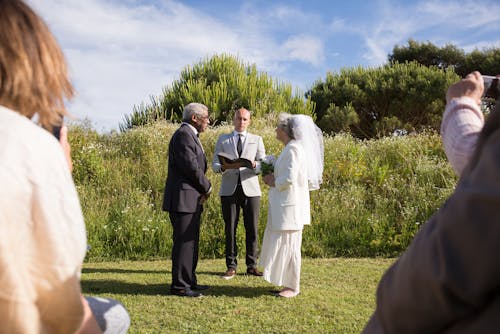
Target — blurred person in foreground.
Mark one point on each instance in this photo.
(448, 280)
(297, 170)
(186, 189)
(240, 189)
(42, 232)
(463, 119)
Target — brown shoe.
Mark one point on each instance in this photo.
(230, 273)
(254, 272)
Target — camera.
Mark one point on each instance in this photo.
(491, 87)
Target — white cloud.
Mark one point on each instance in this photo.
(308, 49)
(338, 25)
(440, 21)
(461, 14)
(119, 55)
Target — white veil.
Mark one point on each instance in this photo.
(311, 138)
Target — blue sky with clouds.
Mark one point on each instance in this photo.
(120, 52)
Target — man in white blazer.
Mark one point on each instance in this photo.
(240, 189)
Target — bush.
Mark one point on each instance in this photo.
(223, 83)
(372, 103)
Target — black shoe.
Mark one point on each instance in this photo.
(254, 272)
(200, 287)
(185, 293)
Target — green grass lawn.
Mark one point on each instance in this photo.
(337, 296)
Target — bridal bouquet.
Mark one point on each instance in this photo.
(267, 165)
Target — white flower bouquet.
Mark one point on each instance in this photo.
(267, 164)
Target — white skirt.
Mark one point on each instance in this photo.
(281, 259)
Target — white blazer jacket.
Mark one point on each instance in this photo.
(289, 207)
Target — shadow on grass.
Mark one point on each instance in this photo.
(132, 271)
(90, 287)
(93, 287)
(210, 273)
(122, 271)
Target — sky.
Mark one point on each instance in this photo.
(122, 52)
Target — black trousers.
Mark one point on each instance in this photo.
(231, 206)
(186, 237)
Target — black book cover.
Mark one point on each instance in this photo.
(229, 158)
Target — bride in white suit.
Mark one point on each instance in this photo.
(297, 170)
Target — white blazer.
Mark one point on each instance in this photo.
(289, 207)
(253, 150)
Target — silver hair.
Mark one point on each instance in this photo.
(285, 123)
(193, 108)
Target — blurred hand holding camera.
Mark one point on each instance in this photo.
(472, 86)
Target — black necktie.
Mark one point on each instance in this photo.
(239, 146)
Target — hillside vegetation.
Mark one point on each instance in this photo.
(375, 196)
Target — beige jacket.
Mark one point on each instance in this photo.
(253, 150)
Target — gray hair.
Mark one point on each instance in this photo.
(193, 108)
(285, 123)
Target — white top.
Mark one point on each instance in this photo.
(42, 232)
(289, 206)
(462, 122)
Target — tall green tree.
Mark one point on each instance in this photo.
(428, 54)
(486, 61)
(375, 102)
(223, 83)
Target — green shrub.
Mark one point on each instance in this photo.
(223, 83)
(374, 102)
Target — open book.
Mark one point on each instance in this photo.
(231, 159)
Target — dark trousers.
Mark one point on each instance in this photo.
(186, 236)
(231, 206)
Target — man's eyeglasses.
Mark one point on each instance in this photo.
(203, 117)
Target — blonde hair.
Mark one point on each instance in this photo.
(33, 72)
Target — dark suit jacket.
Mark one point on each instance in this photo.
(186, 180)
(448, 280)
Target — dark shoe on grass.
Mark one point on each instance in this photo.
(230, 273)
(186, 293)
(254, 272)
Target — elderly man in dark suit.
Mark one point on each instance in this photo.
(186, 189)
